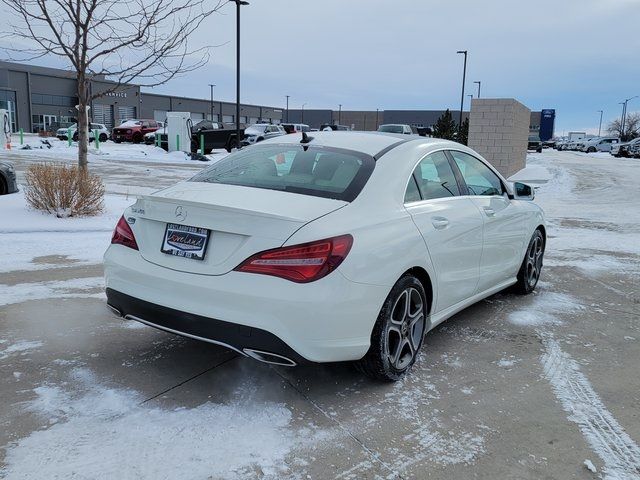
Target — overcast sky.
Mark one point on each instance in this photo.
(577, 56)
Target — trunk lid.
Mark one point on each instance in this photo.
(241, 221)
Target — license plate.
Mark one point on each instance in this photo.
(185, 241)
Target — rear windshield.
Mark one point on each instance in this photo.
(316, 171)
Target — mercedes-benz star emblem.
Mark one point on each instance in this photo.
(181, 213)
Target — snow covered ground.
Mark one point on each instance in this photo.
(544, 386)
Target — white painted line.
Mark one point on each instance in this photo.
(617, 450)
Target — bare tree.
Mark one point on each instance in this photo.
(631, 127)
(124, 41)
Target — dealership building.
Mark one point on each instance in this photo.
(42, 98)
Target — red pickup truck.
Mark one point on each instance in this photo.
(133, 130)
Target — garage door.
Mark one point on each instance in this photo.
(103, 114)
(126, 113)
(159, 115)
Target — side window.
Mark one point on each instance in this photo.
(479, 178)
(435, 177)
(412, 194)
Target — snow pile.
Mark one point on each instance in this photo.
(542, 309)
(104, 432)
(27, 236)
(76, 287)
(19, 348)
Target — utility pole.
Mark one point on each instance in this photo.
(377, 109)
(212, 85)
(464, 77)
(239, 3)
(600, 127)
(287, 108)
(302, 120)
(479, 83)
(340, 114)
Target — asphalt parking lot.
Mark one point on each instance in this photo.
(544, 386)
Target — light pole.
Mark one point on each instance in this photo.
(464, 77)
(302, 116)
(340, 114)
(479, 83)
(238, 3)
(624, 114)
(470, 98)
(212, 85)
(600, 127)
(287, 115)
(377, 110)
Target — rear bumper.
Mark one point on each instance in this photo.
(242, 339)
(329, 320)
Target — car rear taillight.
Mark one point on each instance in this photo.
(302, 263)
(123, 235)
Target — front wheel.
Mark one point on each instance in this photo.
(103, 137)
(531, 267)
(591, 150)
(398, 333)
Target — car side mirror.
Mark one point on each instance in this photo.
(522, 191)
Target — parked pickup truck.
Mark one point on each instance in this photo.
(215, 135)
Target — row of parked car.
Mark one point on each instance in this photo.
(588, 145)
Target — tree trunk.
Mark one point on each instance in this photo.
(83, 122)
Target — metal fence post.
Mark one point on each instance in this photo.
(202, 144)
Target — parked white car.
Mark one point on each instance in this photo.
(261, 131)
(103, 132)
(344, 246)
(624, 149)
(396, 128)
(602, 144)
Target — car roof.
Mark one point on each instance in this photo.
(370, 143)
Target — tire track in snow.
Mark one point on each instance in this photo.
(619, 453)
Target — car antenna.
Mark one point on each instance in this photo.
(305, 138)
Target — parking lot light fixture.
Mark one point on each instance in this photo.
(464, 77)
(470, 98)
(600, 127)
(302, 119)
(479, 83)
(287, 110)
(624, 114)
(238, 3)
(212, 86)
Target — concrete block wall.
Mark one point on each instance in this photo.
(499, 131)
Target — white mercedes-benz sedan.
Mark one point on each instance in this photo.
(337, 246)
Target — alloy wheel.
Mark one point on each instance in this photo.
(534, 261)
(405, 329)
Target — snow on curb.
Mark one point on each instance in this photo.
(29, 235)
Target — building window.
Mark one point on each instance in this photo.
(228, 118)
(243, 119)
(253, 120)
(44, 122)
(8, 102)
(215, 117)
(56, 100)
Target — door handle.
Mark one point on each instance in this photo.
(440, 222)
(489, 211)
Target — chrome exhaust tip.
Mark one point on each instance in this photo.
(114, 310)
(268, 357)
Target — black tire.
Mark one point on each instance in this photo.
(392, 336)
(118, 141)
(531, 267)
(4, 189)
(539, 150)
(207, 151)
(103, 137)
(75, 137)
(591, 150)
